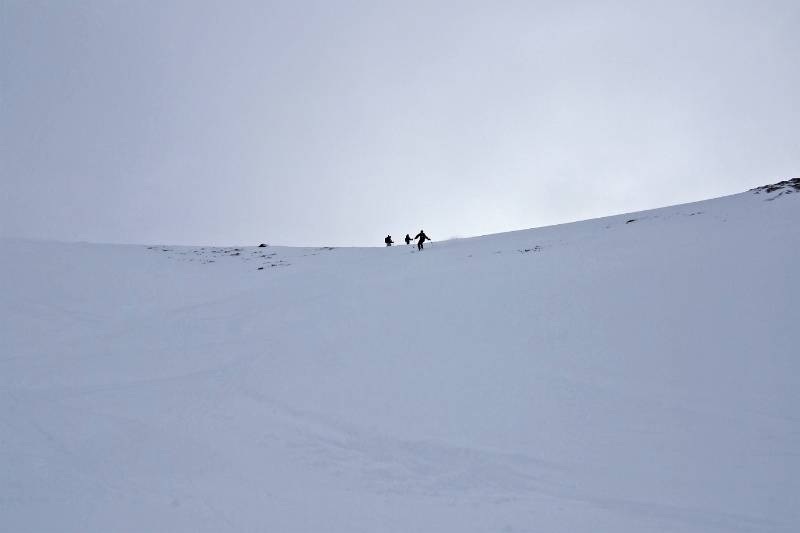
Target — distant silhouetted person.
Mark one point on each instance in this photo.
(388, 240)
(422, 238)
(408, 239)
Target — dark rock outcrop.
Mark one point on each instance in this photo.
(786, 186)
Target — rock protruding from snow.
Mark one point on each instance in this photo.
(783, 187)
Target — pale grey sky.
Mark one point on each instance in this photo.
(337, 122)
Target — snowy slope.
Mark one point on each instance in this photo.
(628, 374)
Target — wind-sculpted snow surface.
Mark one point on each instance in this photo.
(628, 374)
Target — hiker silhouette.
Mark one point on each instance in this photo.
(422, 238)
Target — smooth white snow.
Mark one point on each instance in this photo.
(601, 376)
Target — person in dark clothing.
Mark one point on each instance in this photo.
(407, 239)
(388, 240)
(422, 238)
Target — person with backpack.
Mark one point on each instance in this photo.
(388, 240)
(422, 238)
(408, 239)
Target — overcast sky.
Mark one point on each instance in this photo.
(337, 122)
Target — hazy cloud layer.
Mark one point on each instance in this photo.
(337, 122)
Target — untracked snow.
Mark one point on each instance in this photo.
(637, 373)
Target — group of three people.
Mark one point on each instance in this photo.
(421, 236)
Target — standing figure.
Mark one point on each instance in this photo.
(407, 239)
(388, 240)
(422, 238)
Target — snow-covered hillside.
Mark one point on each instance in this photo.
(627, 374)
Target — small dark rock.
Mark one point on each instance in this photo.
(631, 220)
(536, 248)
(262, 245)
